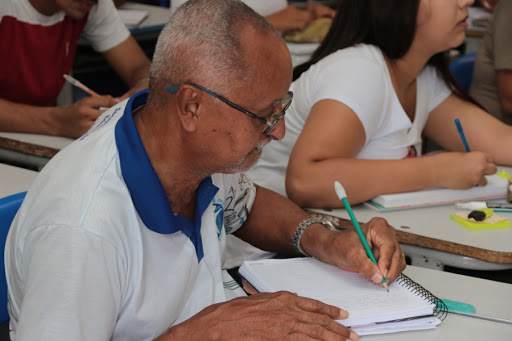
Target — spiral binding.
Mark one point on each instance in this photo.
(440, 311)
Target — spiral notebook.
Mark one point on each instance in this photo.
(372, 310)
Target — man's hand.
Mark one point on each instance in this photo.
(74, 120)
(265, 316)
(345, 250)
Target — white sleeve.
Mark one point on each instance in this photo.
(73, 286)
(439, 90)
(357, 83)
(240, 195)
(104, 28)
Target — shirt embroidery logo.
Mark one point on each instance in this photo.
(98, 124)
(219, 218)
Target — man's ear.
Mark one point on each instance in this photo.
(187, 103)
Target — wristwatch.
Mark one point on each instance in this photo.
(300, 231)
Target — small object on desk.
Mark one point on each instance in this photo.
(479, 215)
(80, 85)
(459, 306)
(476, 205)
(491, 220)
(469, 310)
(313, 33)
(462, 136)
(342, 195)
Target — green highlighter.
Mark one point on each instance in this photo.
(462, 307)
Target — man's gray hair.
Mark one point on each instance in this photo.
(202, 41)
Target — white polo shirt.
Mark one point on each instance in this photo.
(96, 252)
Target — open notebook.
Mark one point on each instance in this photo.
(372, 310)
(496, 188)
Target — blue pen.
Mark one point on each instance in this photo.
(340, 191)
(462, 136)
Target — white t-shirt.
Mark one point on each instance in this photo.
(262, 7)
(96, 253)
(359, 78)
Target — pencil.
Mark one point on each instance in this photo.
(78, 84)
(462, 136)
(340, 191)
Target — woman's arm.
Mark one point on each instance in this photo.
(324, 152)
(484, 132)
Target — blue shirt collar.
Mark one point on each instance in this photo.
(145, 189)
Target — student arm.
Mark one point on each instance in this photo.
(69, 121)
(504, 79)
(130, 62)
(273, 220)
(325, 151)
(484, 133)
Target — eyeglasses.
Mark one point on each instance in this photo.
(284, 103)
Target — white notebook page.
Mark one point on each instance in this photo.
(308, 277)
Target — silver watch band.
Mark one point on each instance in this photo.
(295, 242)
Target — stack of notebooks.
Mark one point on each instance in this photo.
(372, 310)
(496, 188)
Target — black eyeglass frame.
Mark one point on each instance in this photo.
(287, 100)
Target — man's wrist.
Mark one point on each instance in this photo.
(301, 228)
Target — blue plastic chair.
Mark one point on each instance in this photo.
(165, 3)
(462, 69)
(8, 208)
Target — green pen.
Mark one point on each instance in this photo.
(340, 191)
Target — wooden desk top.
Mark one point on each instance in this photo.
(432, 228)
(33, 144)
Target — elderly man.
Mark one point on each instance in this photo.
(121, 237)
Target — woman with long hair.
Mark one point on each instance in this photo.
(377, 84)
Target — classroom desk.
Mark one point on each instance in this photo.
(151, 26)
(431, 239)
(30, 150)
(301, 53)
(489, 298)
(15, 180)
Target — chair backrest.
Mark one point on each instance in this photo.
(8, 208)
(462, 69)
